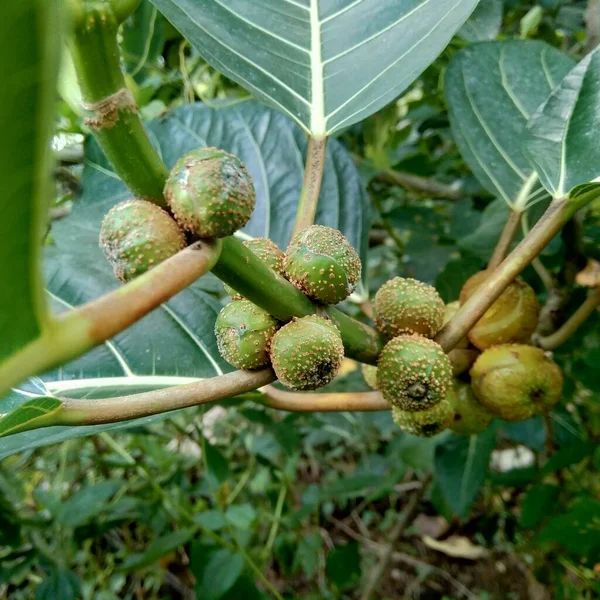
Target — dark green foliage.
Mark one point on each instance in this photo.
(178, 508)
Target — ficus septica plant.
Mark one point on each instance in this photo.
(525, 117)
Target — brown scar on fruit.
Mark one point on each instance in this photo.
(107, 110)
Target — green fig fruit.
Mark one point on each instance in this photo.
(369, 373)
(137, 235)
(511, 318)
(244, 333)
(321, 263)
(470, 417)
(210, 193)
(408, 306)
(516, 382)
(413, 373)
(269, 253)
(425, 423)
(307, 353)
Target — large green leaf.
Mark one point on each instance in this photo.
(327, 64)
(175, 344)
(492, 89)
(561, 140)
(142, 38)
(461, 466)
(28, 70)
(485, 22)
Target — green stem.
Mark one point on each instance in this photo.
(576, 320)
(113, 114)
(241, 269)
(558, 213)
(71, 334)
(311, 186)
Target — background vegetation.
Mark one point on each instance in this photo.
(243, 502)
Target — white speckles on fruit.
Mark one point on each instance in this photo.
(244, 333)
(425, 423)
(413, 373)
(307, 353)
(269, 253)
(137, 235)
(210, 193)
(320, 262)
(408, 306)
(369, 373)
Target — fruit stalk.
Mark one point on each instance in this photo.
(325, 402)
(557, 215)
(81, 329)
(112, 112)
(311, 186)
(123, 408)
(75, 412)
(561, 335)
(506, 237)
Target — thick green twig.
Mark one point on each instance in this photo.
(112, 112)
(77, 331)
(241, 269)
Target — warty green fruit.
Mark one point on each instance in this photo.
(269, 252)
(210, 193)
(369, 373)
(137, 235)
(470, 416)
(244, 333)
(307, 353)
(425, 423)
(413, 373)
(516, 382)
(408, 306)
(511, 318)
(321, 263)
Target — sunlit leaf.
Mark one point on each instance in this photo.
(327, 64)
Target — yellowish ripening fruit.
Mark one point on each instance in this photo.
(210, 193)
(413, 373)
(269, 253)
(408, 306)
(137, 235)
(516, 382)
(244, 333)
(369, 373)
(320, 262)
(307, 353)
(425, 423)
(512, 318)
(470, 416)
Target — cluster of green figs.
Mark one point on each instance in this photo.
(211, 195)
